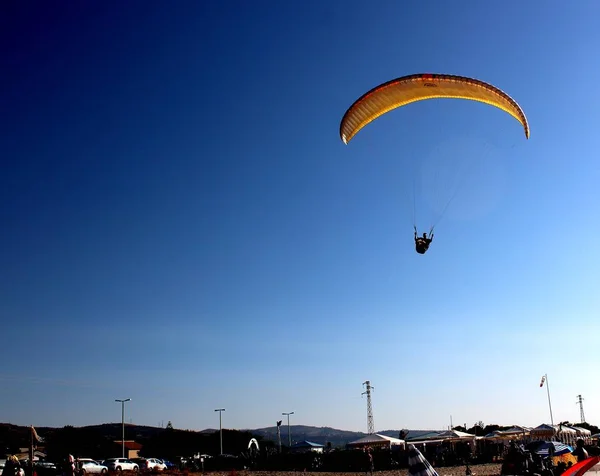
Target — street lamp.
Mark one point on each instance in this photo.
(289, 434)
(220, 410)
(122, 402)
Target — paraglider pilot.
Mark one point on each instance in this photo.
(422, 242)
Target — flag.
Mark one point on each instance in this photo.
(417, 464)
(279, 422)
(543, 380)
(36, 437)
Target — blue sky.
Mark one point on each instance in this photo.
(183, 226)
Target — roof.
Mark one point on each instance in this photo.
(437, 436)
(583, 431)
(516, 428)
(455, 434)
(129, 444)
(423, 435)
(566, 429)
(307, 444)
(376, 438)
(543, 428)
(513, 432)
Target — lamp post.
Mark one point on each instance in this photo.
(220, 410)
(122, 402)
(289, 434)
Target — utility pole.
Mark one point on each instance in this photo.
(581, 414)
(370, 424)
(220, 410)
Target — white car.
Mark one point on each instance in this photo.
(120, 464)
(90, 466)
(155, 464)
(150, 464)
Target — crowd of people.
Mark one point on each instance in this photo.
(518, 460)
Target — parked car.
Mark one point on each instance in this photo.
(120, 464)
(155, 464)
(90, 466)
(169, 464)
(46, 468)
(150, 464)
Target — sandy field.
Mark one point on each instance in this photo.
(478, 470)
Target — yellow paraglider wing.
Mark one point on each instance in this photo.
(418, 87)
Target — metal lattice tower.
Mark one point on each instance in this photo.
(581, 414)
(370, 424)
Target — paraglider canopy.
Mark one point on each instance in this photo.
(418, 87)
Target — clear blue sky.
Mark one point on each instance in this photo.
(182, 225)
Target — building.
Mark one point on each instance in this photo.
(132, 449)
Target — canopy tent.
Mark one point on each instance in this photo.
(448, 435)
(545, 448)
(421, 435)
(453, 437)
(376, 441)
(562, 433)
(584, 434)
(518, 428)
(582, 431)
(513, 433)
(543, 432)
(306, 446)
(566, 434)
(455, 434)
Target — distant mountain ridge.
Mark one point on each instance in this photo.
(325, 434)
(321, 435)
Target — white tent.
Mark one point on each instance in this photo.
(376, 440)
(584, 434)
(543, 432)
(455, 434)
(562, 433)
(448, 436)
(518, 429)
(582, 431)
(566, 434)
(513, 433)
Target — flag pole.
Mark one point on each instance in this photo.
(31, 451)
(549, 404)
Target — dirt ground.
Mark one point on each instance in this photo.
(478, 470)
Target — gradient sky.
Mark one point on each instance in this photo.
(182, 225)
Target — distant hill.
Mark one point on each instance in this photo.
(325, 434)
(322, 435)
(110, 429)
